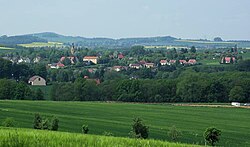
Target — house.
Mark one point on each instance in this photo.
(97, 81)
(192, 61)
(92, 59)
(163, 62)
(149, 65)
(227, 60)
(236, 104)
(118, 68)
(56, 65)
(37, 81)
(120, 56)
(24, 60)
(171, 62)
(72, 59)
(135, 66)
(183, 62)
(37, 59)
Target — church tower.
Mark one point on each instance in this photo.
(72, 50)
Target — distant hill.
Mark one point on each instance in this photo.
(104, 42)
(120, 43)
(22, 39)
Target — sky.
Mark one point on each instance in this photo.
(199, 19)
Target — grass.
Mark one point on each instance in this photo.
(117, 119)
(30, 138)
(6, 48)
(42, 44)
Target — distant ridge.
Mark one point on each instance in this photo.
(117, 43)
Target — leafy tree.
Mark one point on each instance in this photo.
(212, 135)
(193, 49)
(8, 122)
(218, 39)
(85, 129)
(55, 124)
(39, 95)
(45, 124)
(66, 61)
(174, 134)
(237, 94)
(37, 122)
(139, 129)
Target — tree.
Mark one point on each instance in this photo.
(193, 49)
(174, 134)
(139, 129)
(45, 124)
(218, 39)
(39, 95)
(212, 135)
(66, 62)
(8, 122)
(85, 129)
(55, 124)
(37, 121)
(237, 94)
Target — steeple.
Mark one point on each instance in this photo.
(72, 50)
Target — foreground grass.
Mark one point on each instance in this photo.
(39, 138)
(117, 119)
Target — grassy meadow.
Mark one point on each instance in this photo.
(42, 44)
(31, 138)
(117, 119)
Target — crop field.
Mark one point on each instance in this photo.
(31, 138)
(42, 44)
(6, 48)
(117, 119)
(205, 42)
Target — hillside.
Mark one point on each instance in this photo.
(23, 39)
(117, 119)
(117, 43)
(30, 138)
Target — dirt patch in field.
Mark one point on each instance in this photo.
(210, 105)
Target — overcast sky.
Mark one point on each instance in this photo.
(229, 19)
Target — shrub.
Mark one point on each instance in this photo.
(54, 124)
(211, 135)
(8, 122)
(37, 121)
(174, 134)
(139, 129)
(85, 129)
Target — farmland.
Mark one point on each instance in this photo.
(6, 48)
(117, 119)
(42, 44)
(28, 138)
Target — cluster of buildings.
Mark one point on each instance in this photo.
(182, 62)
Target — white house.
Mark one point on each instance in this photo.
(37, 81)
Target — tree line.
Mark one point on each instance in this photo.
(188, 87)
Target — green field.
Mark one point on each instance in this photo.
(117, 119)
(6, 48)
(205, 42)
(42, 44)
(31, 138)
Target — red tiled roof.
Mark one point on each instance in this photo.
(163, 61)
(90, 57)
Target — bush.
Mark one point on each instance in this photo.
(37, 121)
(211, 135)
(54, 124)
(139, 129)
(85, 129)
(107, 133)
(8, 122)
(174, 134)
